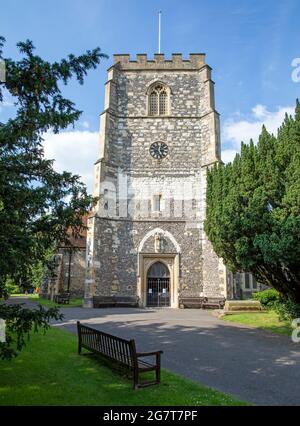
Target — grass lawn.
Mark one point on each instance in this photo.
(27, 296)
(49, 372)
(266, 320)
(23, 295)
(76, 302)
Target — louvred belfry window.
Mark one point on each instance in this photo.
(163, 107)
(153, 103)
(158, 100)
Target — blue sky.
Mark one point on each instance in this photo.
(250, 45)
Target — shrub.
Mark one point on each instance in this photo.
(20, 321)
(268, 298)
(12, 287)
(287, 309)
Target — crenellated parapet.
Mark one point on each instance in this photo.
(142, 62)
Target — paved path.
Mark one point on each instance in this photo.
(253, 365)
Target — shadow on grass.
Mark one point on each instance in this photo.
(253, 364)
(53, 374)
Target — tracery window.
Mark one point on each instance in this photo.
(158, 100)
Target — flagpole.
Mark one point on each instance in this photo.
(159, 30)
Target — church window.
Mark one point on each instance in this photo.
(157, 199)
(158, 100)
(247, 280)
(254, 283)
(105, 194)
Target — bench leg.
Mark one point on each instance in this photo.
(157, 372)
(157, 375)
(79, 338)
(135, 378)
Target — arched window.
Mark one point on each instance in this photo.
(158, 100)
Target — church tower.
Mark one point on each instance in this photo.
(159, 133)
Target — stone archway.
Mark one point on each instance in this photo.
(171, 261)
(158, 285)
(158, 245)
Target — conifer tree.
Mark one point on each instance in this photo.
(37, 204)
(253, 209)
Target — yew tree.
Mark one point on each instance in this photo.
(253, 208)
(37, 204)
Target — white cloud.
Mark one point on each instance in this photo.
(228, 155)
(260, 111)
(237, 130)
(85, 124)
(73, 151)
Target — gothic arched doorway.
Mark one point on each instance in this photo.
(158, 285)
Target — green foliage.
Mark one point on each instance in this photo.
(38, 269)
(19, 323)
(268, 298)
(37, 204)
(253, 209)
(38, 272)
(287, 309)
(11, 287)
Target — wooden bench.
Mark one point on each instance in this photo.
(213, 302)
(190, 302)
(114, 301)
(202, 302)
(126, 301)
(122, 352)
(63, 298)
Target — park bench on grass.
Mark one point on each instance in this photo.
(213, 302)
(115, 301)
(122, 352)
(190, 302)
(62, 298)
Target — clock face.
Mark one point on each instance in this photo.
(159, 150)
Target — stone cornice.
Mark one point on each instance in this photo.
(160, 220)
(161, 117)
